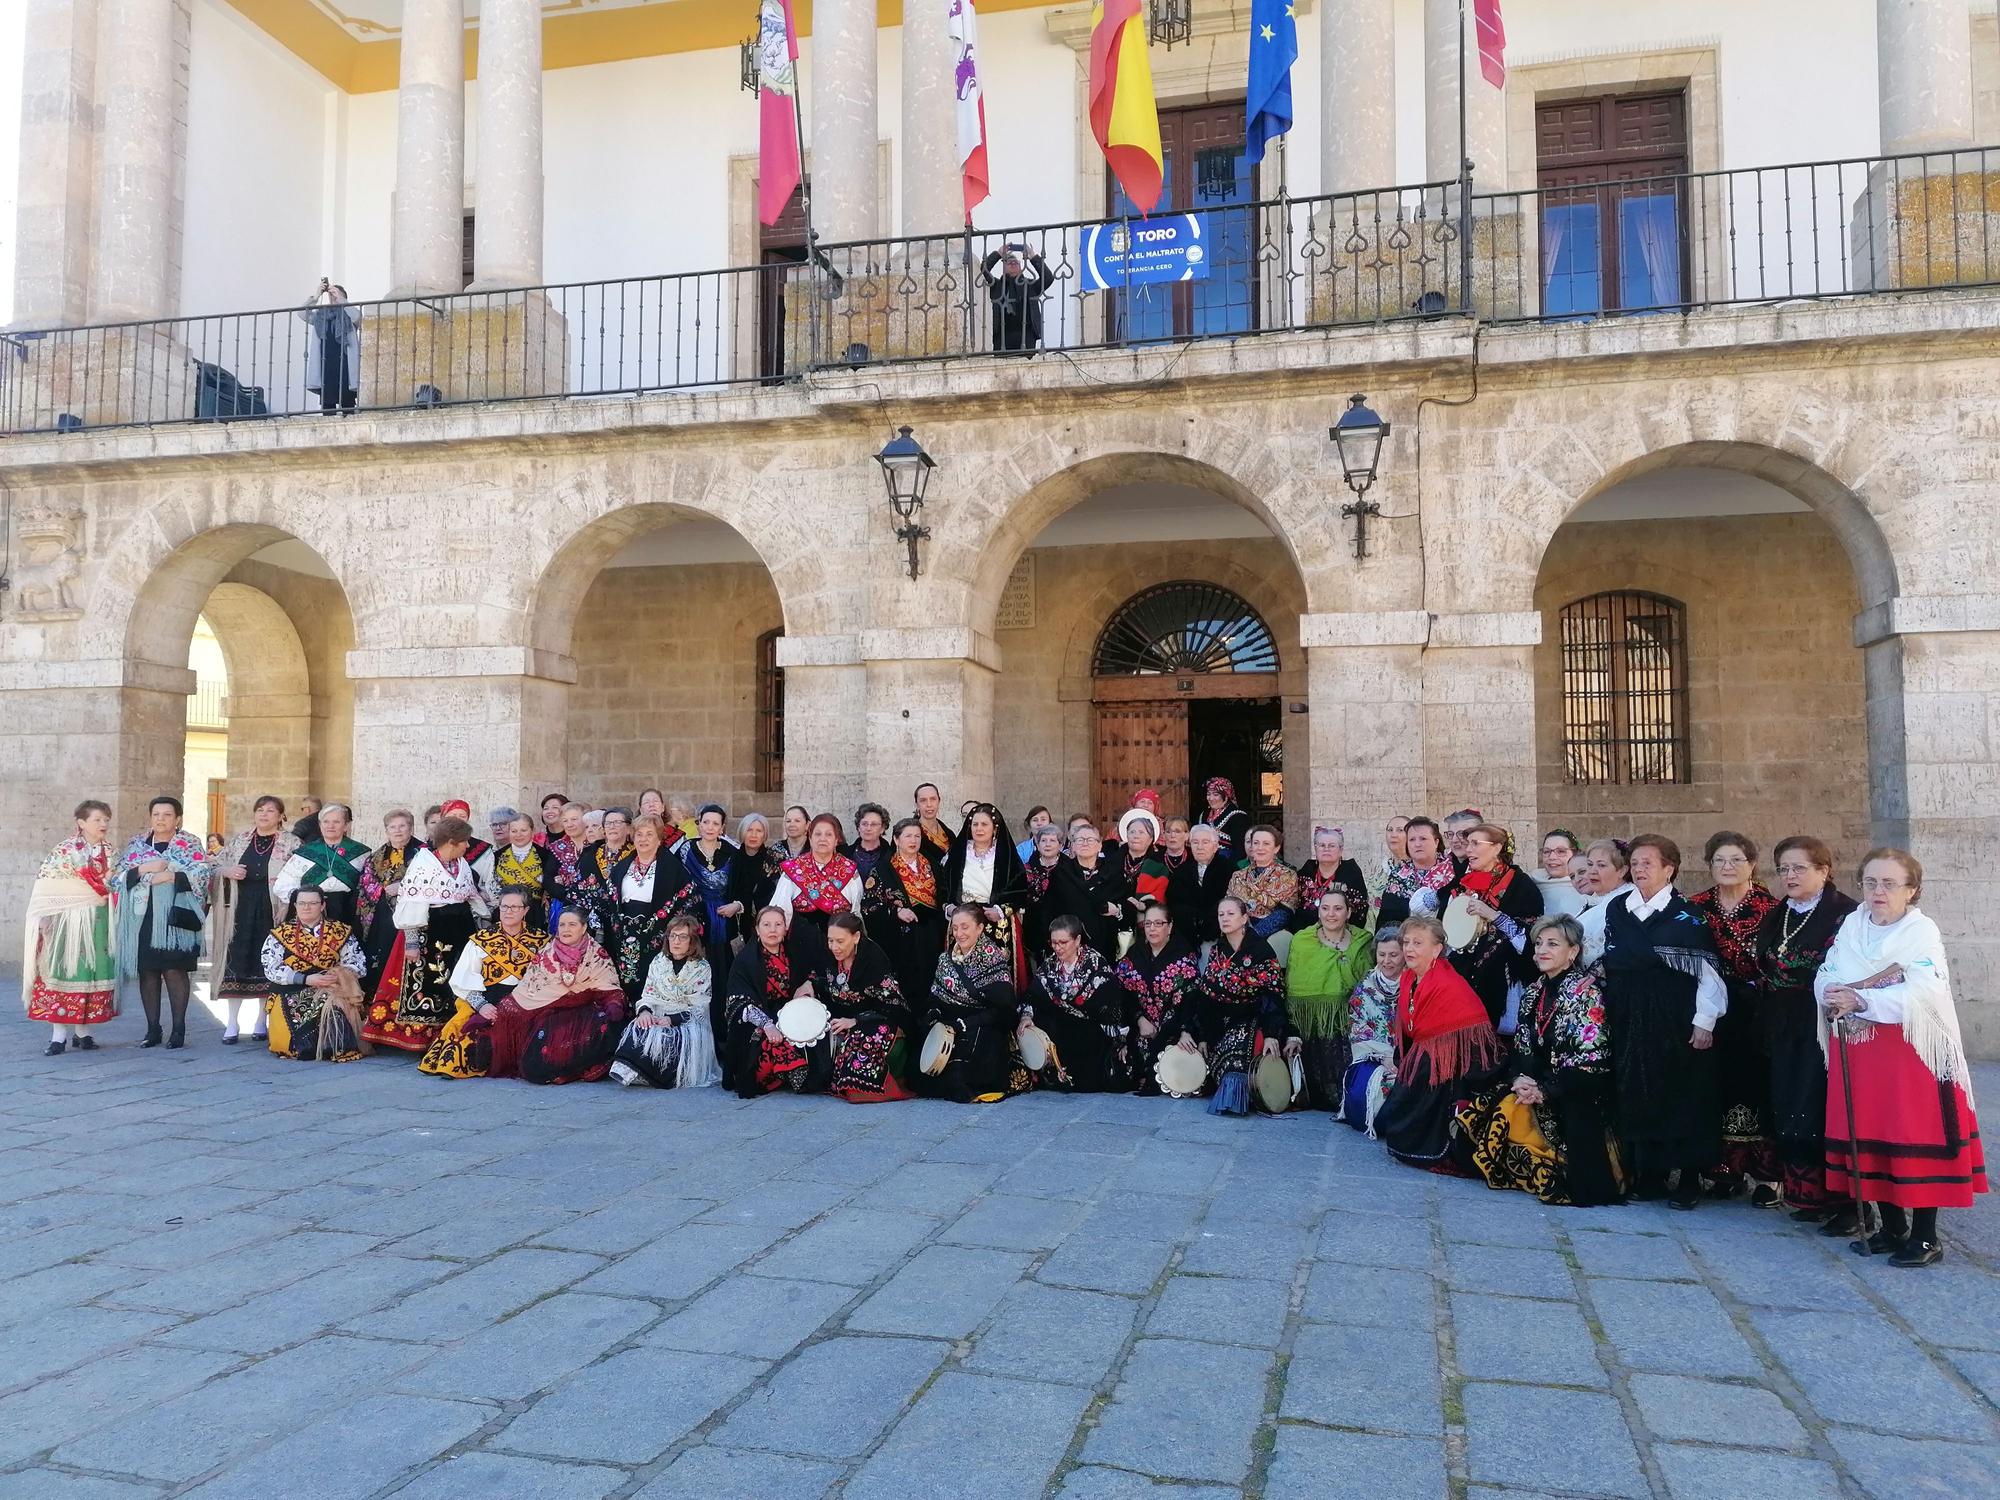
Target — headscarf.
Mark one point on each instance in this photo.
(457, 806)
(1223, 785)
(1147, 798)
(1010, 878)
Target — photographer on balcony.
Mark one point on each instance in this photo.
(1017, 291)
(333, 356)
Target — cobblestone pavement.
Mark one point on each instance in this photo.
(226, 1275)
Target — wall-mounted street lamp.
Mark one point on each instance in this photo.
(748, 75)
(1358, 435)
(906, 469)
(1169, 21)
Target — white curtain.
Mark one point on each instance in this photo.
(1651, 221)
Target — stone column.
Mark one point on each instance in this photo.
(826, 725)
(1485, 106)
(141, 76)
(58, 164)
(426, 242)
(507, 246)
(933, 196)
(1365, 732)
(1923, 60)
(507, 706)
(930, 712)
(1479, 716)
(846, 189)
(1357, 72)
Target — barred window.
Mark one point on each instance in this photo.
(1624, 690)
(770, 714)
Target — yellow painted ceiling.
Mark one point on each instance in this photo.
(353, 44)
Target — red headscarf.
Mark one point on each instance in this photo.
(457, 805)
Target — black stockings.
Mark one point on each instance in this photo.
(1917, 1223)
(177, 981)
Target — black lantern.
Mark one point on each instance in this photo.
(906, 470)
(1170, 21)
(748, 73)
(1358, 435)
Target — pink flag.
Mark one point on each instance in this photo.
(777, 109)
(1492, 41)
(963, 25)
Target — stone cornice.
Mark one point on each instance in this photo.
(459, 661)
(1926, 614)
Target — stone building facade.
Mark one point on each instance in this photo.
(700, 589)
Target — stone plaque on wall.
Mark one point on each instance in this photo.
(1017, 599)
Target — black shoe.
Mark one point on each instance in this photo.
(56, 1049)
(1886, 1242)
(1809, 1215)
(1918, 1253)
(1648, 1189)
(1763, 1195)
(152, 1037)
(86, 1044)
(177, 1037)
(1724, 1185)
(1844, 1225)
(229, 1040)
(1686, 1196)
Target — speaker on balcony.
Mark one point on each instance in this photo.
(429, 395)
(68, 422)
(857, 354)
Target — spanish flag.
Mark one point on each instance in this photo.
(1123, 115)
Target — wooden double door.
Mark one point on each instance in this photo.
(1174, 745)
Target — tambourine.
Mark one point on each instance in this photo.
(1035, 1048)
(936, 1054)
(1180, 1073)
(1461, 927)
(1272, 1083)
(803, 1021)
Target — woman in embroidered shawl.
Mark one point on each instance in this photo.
(1268, 889)
(1330, 867)
(1077, 1000)
(381, 883)
(562, 1022)
(69, 965)
(1894, 1050)
(1045, 853)
(1506, 901)
(813, 886)
(518, 864)
(903, 911)
(1160, 975)
(569, 877)
(1371, 1034)
(1140, 863)
(1663, 994)
(1548, 1131)
(983, 871)
(974, 994)
(647, 888)
(330, 863)
(162, 889)
(1446, 1052)
(243, 909)
(1087, 886)
(437, 911)
(493, 960)
(770, 970)
(1791, 946)
(867, 1036)
(1413, 883)
(1325, 963)
(1240, 1009)
(710, 860)
(312, 969)
(670, 1042)
(1735, 907)
(1230, 822)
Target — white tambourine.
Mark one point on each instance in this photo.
(803, 1021)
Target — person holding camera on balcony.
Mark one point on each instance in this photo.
(333, 356)
(1017, 291)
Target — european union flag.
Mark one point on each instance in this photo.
(1274, 47)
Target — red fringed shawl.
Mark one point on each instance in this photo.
(1440, 1019)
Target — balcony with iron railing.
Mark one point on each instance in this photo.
(1643, 247)
(208, 704)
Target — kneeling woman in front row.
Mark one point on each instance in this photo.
(1549, 1131)
(1240, 1011)
(315, 968)
(773, 968)
(974, 997)
(670, 1042)
(562, 1022)
(1079, 1002)
(1446, 1051)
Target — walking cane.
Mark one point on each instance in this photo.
(1862, 1208)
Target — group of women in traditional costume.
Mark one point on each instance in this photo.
(1580, 1030)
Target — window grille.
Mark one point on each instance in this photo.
(770, 714)
(1624, 690)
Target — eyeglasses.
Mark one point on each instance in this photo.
(1795, 869)
(1729, 859)
(1883, 885)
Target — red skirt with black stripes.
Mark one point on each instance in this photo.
(1918, 1138)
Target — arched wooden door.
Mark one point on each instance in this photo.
(1185, 687)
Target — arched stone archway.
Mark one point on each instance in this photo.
(270, 700)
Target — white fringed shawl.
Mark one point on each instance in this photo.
(1921, 1003)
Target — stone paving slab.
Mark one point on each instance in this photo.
(476, 1292)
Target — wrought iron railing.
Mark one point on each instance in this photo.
(1582, 250)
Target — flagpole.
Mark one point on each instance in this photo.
(1464, 180)
(814, 260)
